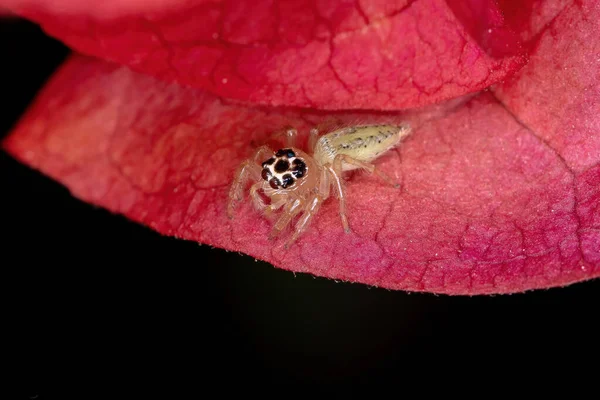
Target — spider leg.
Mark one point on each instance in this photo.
(309, 212)
(248, 170)
(337, 183)
(291, 136)
(293, 208)
(313, 205)
(324, 184)
(258, 202)
(262, 153)
(277, 202)
(369, 167)
(312, 139)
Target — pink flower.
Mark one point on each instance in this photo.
(500, 177)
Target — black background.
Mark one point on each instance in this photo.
(156, 306)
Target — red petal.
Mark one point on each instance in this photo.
(321, 54)
(486, 205)
(500, 193)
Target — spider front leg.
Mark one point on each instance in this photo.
(258, 202)
(248, 170)
(277, 201)
(294, 207)
(309, 212)
(311, 208)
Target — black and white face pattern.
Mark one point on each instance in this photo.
(282, 170)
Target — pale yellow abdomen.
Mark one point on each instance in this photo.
(364, 142)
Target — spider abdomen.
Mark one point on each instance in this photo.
(364, 142)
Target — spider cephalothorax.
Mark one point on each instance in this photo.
(283, 169)
(298, 182)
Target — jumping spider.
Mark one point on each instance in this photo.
(299, 182)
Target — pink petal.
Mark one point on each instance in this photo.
(486, 206)
(501, 190)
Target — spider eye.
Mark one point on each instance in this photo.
(288, 180)
(268, 162)
(289, 153)
(282, 166)
(274, 182)
(299, 168)
(266, 174)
